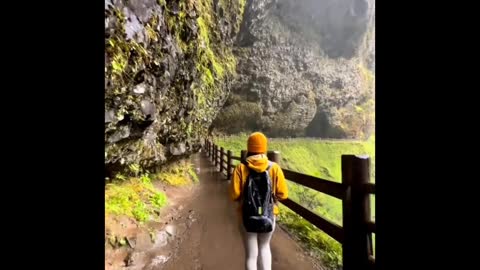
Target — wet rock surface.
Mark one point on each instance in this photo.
(168, 70)
(299, 61)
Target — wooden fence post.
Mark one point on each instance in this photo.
(221, 159)
(355, 174)
(229, 164)
(205, 146)
(211, 151)
(209, 148)
(215, 156)
(243, 155)
(274, 156)
(217, 160)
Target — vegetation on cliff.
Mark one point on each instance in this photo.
(168, 69)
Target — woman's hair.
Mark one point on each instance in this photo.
(253, 154)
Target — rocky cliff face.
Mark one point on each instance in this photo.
(304, 68)
(168, 71)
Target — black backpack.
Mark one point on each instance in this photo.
(257, 209)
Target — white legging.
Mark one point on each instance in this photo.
(255, 242)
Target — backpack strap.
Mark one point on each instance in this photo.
(270, 164)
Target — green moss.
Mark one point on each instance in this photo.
(242, 4)
(203, 31)
(241, 10)
(206, 54)
(233, 11)
(220, 63)
(189, 129)
(231, 63)
(208, 77)
(153, 23)
(151, 33)
(123, 63)
(119, 14)
(217, 67)
(182, 15)
(171, 23)
(214, 63)
(119, 63)
(201, 100)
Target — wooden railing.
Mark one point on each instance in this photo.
(354, 191)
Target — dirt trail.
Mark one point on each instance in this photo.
(214, 240)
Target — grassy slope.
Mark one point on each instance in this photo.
(317, 158)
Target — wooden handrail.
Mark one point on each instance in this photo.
(371, 227)
(369, 188)
(332, 229)
(224, 168)
(331, 188)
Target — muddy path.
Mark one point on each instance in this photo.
(214, 240)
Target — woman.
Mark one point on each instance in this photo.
(258, 243)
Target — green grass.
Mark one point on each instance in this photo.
(179, 173)
(159, 199)
(320, 158)
(315, 157)
(326, 248)
(136, 198)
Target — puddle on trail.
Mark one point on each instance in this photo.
(167, 240)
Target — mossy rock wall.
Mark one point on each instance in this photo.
(168, 70)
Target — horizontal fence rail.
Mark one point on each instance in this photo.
(331, 188)
(354, 192)
(332, 229)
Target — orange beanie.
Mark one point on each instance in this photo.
(257, 143)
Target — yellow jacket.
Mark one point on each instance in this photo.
(258, 163)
